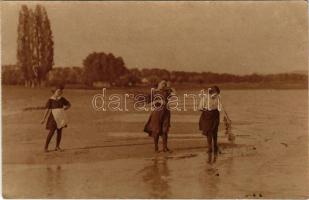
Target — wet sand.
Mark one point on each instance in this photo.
(106, 155)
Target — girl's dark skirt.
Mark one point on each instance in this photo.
(51, 123)
(158, 122)
(209, 122)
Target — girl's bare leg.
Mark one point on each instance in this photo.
(59, 134)
(156, 142)
(209, 142)
(215, 146)
(49, 137)
(164, 137)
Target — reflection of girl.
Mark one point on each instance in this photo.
(210, 119)
(56, 102)
(156, 175)
(159, 121)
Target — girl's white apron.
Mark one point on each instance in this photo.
(60, 117)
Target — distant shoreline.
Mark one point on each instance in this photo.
(225, 86)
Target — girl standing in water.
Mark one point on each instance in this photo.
(210, 106)
(159, 121)
(55, 123)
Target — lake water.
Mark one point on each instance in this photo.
(269, 159)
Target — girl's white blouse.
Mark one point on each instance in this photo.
(210, 103)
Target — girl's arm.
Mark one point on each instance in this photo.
(67, 104)
(201, 106)
(173, 92)
(222, 109)
(156, 102)
(46, 113)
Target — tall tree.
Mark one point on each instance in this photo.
(35, 45)
(24, 53)
(43, 52)
(37, 42)
(48, 46)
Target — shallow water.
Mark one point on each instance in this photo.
(269, 159)
(163, 176)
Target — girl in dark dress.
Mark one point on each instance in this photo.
(56, 101)
(210, 106)
(159, 120)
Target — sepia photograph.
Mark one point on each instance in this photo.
(154, 99)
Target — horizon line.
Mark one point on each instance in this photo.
(301, 72)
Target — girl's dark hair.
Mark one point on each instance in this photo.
(214, 89)
(56, 87)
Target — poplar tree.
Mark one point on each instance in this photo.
(24, 53)
(35, 45)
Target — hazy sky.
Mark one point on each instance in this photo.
(231, 37)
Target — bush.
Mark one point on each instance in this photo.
(12, 77)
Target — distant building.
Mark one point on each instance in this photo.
(145, 81)
(101, 84)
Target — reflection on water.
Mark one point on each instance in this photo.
(229, 165)
(54, 181)
(156, 176)
(208, 181)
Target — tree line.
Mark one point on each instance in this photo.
(111, 70)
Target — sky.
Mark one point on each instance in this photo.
(225, 37)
